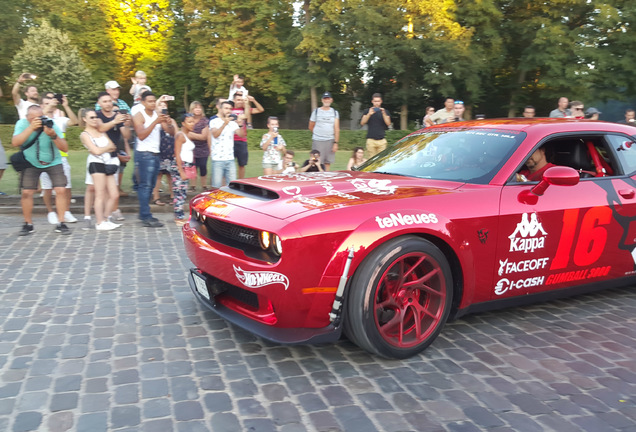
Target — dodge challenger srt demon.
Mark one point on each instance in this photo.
(440, 224)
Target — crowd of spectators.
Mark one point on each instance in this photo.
(114, 133)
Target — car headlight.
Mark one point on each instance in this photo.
(265, 239)
(277, 245)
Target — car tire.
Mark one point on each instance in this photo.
(390, 309)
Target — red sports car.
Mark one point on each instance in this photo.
(444, 222)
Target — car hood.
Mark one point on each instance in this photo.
(286, 195)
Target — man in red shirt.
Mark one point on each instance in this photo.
(535, 166)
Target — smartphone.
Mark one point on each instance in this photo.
(164, 111)
(124, 111)
(168, 98)
(59, 97)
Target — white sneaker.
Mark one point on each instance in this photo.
(88, 224)
(52, 218)
(69, 218)
(105, 226)
(114, 225)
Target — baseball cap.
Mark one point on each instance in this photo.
(111, 85)
(591, 111)
(326, 95)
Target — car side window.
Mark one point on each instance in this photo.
(625, 149)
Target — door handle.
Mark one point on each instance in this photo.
(626, 193)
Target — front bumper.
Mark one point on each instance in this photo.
(213, 287)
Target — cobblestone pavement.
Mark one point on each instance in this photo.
(99, 331)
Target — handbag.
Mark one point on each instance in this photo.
(190, 172)
(18, 161)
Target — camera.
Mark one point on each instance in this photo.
(164, 111)
(123, 111)
(275, 129)
(233, 117)
(46, 121)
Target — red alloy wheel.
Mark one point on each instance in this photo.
(400, 298)
(410, 300)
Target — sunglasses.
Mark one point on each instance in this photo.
(459, 102)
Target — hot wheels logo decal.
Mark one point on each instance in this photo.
(259, 279)
(524, 238)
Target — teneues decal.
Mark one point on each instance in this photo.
(507, 267)
(528, 236)
(398, 219)
(259, 279)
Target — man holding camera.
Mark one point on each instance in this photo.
(30, 92)
(147, 125)
(378, 119)
(44, 141)
(313, 163)
(221, 141)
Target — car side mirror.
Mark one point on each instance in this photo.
(557, 176)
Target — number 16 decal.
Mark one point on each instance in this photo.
(591, 240)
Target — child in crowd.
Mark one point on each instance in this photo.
(272, 144)
(237, 86)
(289, 166)
(139, 86)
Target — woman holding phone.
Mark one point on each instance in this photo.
(183, 168)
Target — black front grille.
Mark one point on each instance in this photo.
(233, 232)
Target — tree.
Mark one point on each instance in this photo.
(49, 54)
(241, 37)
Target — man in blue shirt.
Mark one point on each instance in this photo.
(44, 156)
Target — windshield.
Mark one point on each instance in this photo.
(462, 155)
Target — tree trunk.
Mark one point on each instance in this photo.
(512, 110)
(310, 63)
(404, 117)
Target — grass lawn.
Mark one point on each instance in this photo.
(77, 159)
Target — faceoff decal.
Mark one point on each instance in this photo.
(259, 279)
(507, 267)
(528, 236)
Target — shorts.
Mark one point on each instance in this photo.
(3, 158)
(164, 166)
(327, 155)
(30, 176)
(88, 180)
(271, 165)
(45, 180)
(102, 168)
(202, 164)
(240, 152)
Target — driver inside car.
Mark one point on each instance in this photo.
(536, 165)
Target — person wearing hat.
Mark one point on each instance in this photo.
(592, 113)
(324, 124)
(378, 119)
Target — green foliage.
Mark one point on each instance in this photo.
(49, 54)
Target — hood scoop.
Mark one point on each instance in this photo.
(253, 191)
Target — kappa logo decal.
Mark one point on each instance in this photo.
(259, 279)
(525, 237)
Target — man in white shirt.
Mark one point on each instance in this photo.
(147, 125)
(221, 141)
(30, 92)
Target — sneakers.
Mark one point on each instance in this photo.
(106, 226)
(88, 224)
(26, 229)
(62, 229)
(117, 216)
(52, 218)
(151, 223)
(69, 218)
